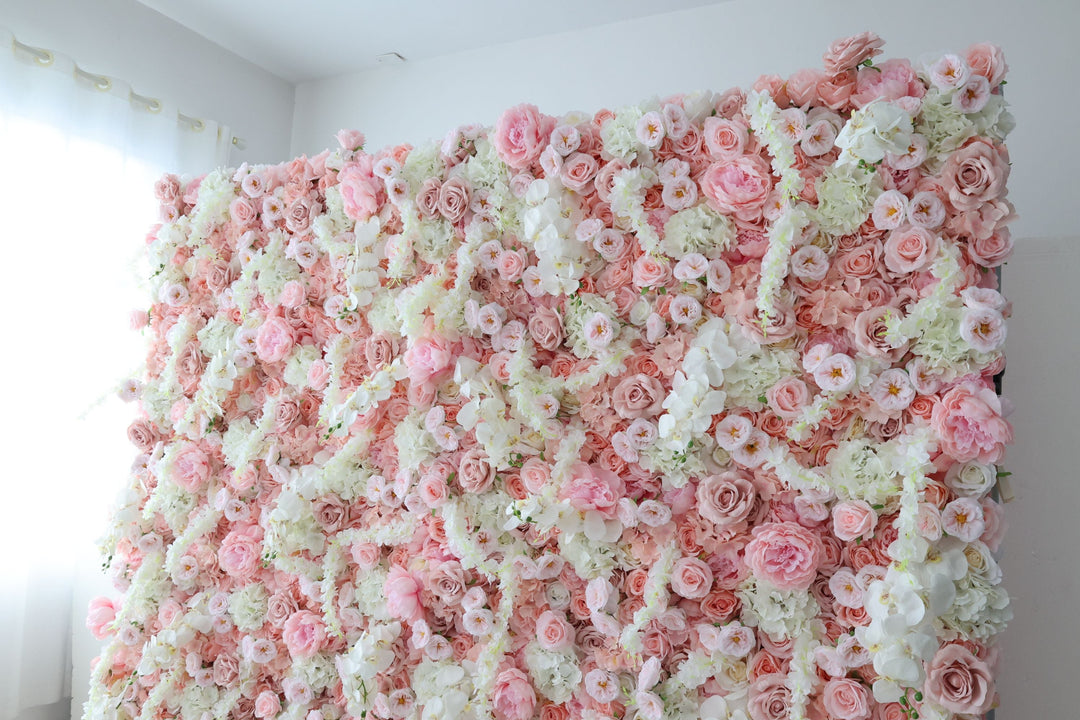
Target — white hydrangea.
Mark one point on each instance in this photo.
(247, 607)
(697, 229)
(778, 613)
(555, 675)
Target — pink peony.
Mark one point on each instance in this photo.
(521, 134)
(959, 681)
(304, 634)
(513, 696)
(191, 468)
(784, 554)
(847, 53)
(402, 591)
(740, 186)
(592, 487)
(969, 424)
(241, 552)
(100, 617)
(274, 340)
(359, 190)
(428, 358)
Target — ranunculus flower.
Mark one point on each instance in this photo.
(959, 681)
(521, 134)
(969, 424)
(785, 554)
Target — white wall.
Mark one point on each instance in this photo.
(730, 44)
(162, 59)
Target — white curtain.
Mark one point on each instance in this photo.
(78, 159)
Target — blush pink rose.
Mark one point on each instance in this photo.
(770, 698)
(853, 519)
(475, 473)
(910, 249)
(726, 499)
(454, 198)
(100, 616)
(651, 272)
(427, 359)
(993, 250)
(513, 696)
(691, 578)
(553, 632)
(241, 552)
(592, 487)
(969, 424)
(846, 699)
(986, 59)
(578, 171)
(738, 186)
(402, 591)
(788, 397)
(521, 134)
(427, 197)
(785, 554)
(304, 634)
(545, 328)
(535, 474)
(959, 681)
(847, 53)
(274, 340)
(191, 468)
(725, 139)
(637, 396)
(976, 173)
(267, 704)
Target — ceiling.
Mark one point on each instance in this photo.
(299, 41)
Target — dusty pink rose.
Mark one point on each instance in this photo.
(428, 358)
(402, 591)
(274, 340)
(100, 616)
(770, 698)
(521, 134)
(969, 424)
(853, 519)
(475, 473)
(739, 186)
(191, 468)
(545, 327)
(976, 173)
(910, 249)
(726, 499)
(846, 699)
(691, 578)
(427, 197)
(454, 197)
(785, 554)
(592, 487)
(447, 581)
(304, 634)
(553, 632)
(241, 552)
(513, 696)
(959, 681)
(849, 52)
(637, 396)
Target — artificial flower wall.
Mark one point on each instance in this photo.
(684, 410)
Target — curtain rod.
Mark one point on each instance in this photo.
(104, 83)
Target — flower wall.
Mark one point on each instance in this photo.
(684, 410)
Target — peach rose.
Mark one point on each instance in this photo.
(741, 185)
(785, 554)
(637, 396)
(847, 53)
(976, 173)
(969, 424)
(521, 134)
(959, 681)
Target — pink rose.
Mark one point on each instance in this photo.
(191, 468)
(274, 340)
(725, 139)
(535, 474)
(785, 554)
(318, 375)
(592, 487)
(987, 60)
(142, 435)
(100, 616)
(545, 327)
(846, 699)
(637, 396)
(350, 140)
(910, 249)
(993, 250)
(553, 632)
(740, 186)
(402, 591)
(279, 608)
(427, 198)
(304, 634)
(433, 491)
(959, 681)
(475, 473)
(891, 80)
(788, 397)
(651, 272)
(727, 499)
(267, 704)
(447, 582)
(511, 265)
(853, 519)
(847, 53)
(454, 198)
(428, 358)
(521, 134)
(770, 698)
(513, 696)
(976, 173)
(578, 170)
(969, 424)
(359, 190)
(241, 552)
(365, 555)
(691, 578)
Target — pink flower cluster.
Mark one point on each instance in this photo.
(734, 522)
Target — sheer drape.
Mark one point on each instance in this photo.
(78, 159)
